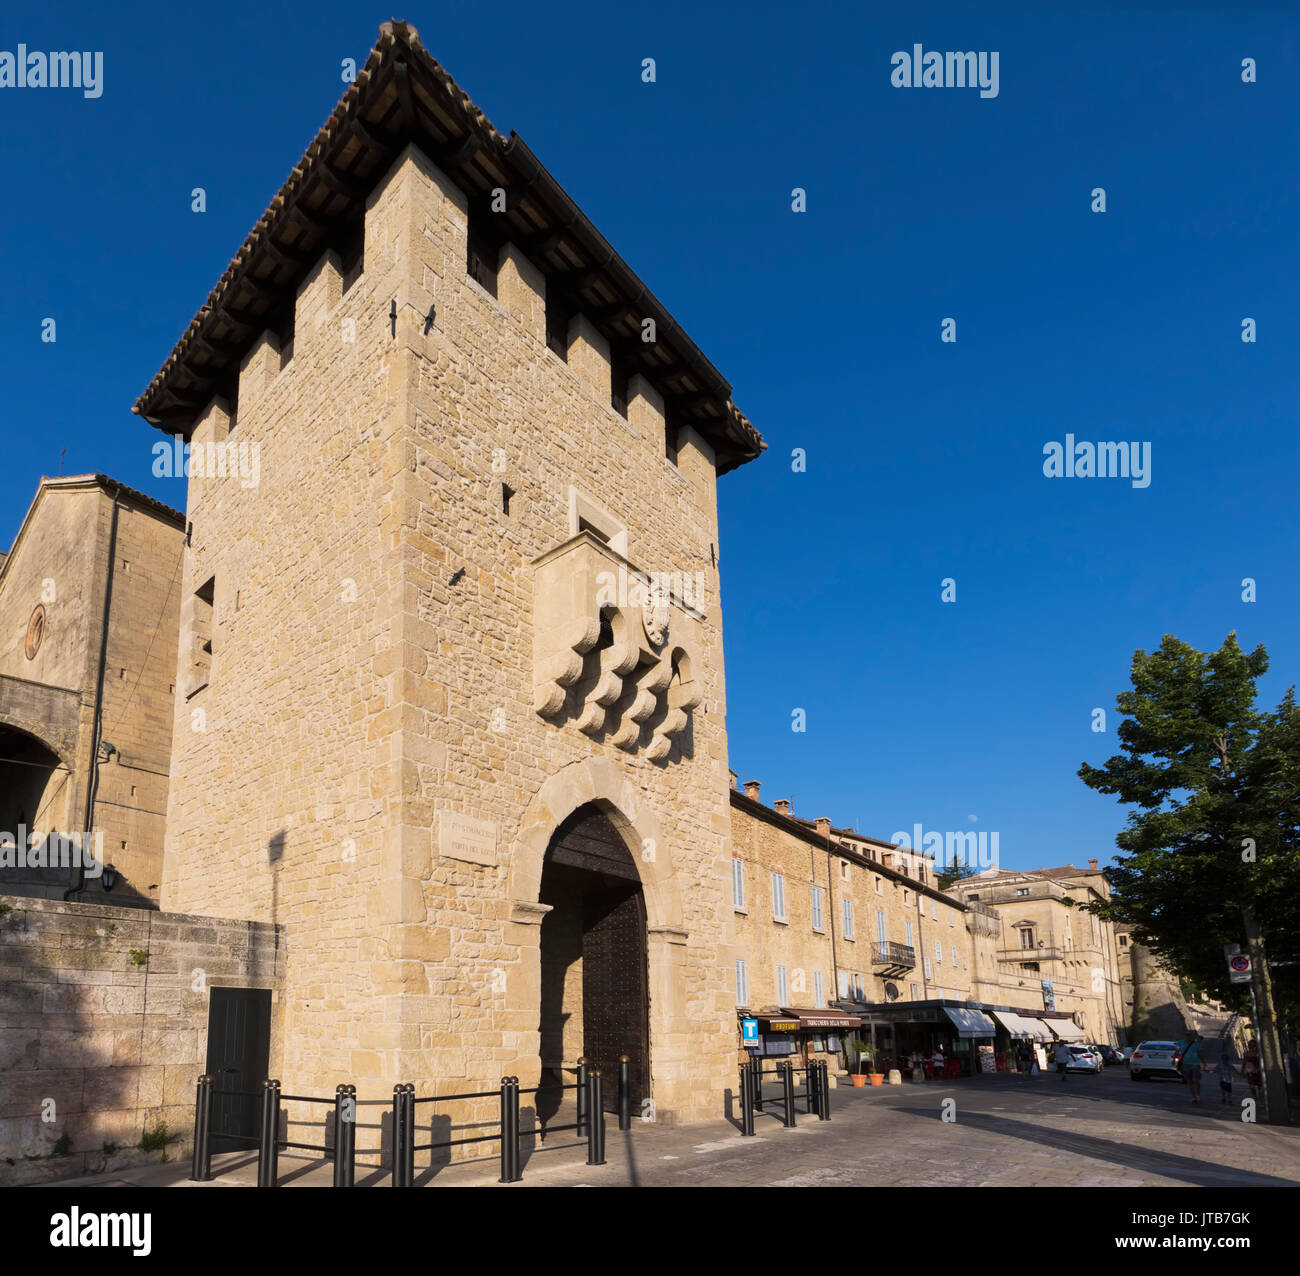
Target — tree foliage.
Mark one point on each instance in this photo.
(1215, 789)
(957, 871)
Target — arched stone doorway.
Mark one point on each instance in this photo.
(594, 959)
(35, 796)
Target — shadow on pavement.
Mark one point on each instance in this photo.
(1142, 1160)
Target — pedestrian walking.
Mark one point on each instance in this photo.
(1061, 1057)
(1225, 1072)
(1193, 1066)
(1251, 1069)
(1024, 1057)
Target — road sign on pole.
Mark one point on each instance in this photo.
(1239, 968)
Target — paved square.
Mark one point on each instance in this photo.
(1004, 1131)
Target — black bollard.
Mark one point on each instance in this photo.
(812, 1078)
(583, 1096)
(399, 1136)
(409, 1106)
(824, 1092)
(595, 1121)
(787, 1087)
(345, 1136)
(268, 1147)
(756, 1075)
(746, 1101)
(510, 1170)
(624, 1092)
(201, 1164)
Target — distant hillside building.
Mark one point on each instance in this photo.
(1050, 948)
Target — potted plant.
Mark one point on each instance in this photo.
(858, 1075)
(871, 1053)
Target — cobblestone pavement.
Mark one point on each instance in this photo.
(1005, 1131)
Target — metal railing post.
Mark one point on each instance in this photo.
(268, 1147)
(595, 1121)
(624, 1092)
(746, 1101)
(787, 1088)
(824, 1092)
(410, 1134)
(756, 1071)
(582, 1098)
(345, 1136)
(399, 1136)
(510, 1168)
(812, 1080)
(201, 1164)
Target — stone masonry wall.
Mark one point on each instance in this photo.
(372, 670)
(107, 1044)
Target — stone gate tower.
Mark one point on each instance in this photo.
(429, 716)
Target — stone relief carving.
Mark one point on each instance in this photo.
(620, 672)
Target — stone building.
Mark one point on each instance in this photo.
(451, 700)
(89, 601)
(1049, 948)
(1153, 1001)
(831, 918)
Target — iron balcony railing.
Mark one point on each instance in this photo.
(886, 953)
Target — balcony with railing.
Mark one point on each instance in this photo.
(1041, 953)
(889, 958)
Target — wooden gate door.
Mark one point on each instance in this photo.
(239, 1053)
(615, 993)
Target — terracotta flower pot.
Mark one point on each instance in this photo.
(859, 1079)
(876, 1078)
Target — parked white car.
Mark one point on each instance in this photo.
(1156, 1059)
(1084, 1059)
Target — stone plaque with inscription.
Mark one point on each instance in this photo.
(463, 837)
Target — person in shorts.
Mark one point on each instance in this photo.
(1061, 1057)
(1024, 1058)
(1192, 1066)
(1225, 1073)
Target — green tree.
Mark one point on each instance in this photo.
(1208, 856)
(954, 872)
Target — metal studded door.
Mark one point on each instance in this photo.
(239, 1053)
(615, 995)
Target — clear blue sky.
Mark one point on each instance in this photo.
(924, 459)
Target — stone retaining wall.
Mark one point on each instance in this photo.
(103, 1028)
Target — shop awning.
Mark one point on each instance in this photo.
(1021, 1028)
(838, 1019)
(1066, 1029)
(970, 1023)
(1044, 1032)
